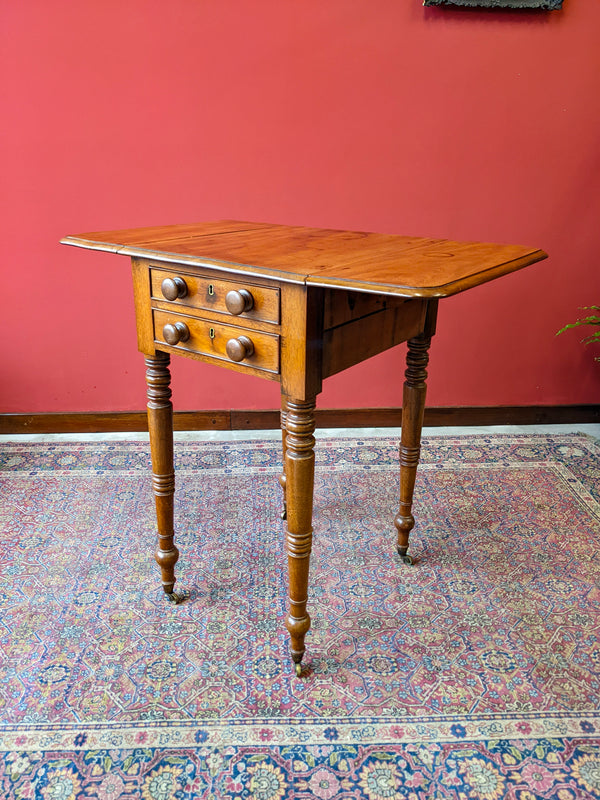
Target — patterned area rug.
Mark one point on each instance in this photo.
(472, 675)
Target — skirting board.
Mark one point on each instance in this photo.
(112, 422)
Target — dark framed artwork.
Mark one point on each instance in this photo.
(548, 5)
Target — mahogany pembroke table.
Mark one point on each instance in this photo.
(293, 305)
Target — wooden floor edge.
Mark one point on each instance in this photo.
(125, 421)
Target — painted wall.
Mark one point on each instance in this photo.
(371, 115)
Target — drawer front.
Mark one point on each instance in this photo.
(209, 338)
(210, 294)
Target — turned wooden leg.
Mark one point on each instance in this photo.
(284, 402)
(160, 427)
(300, 473)
(413, 407)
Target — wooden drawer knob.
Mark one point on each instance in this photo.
(238, 301)
(173, 288)
(240, 348)
(173, 334)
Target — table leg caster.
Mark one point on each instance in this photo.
(175, 597)
(404, 557)
(298, 669)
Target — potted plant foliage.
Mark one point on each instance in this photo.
(591, 319)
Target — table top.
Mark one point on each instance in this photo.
(407, 266)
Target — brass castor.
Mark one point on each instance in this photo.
(298, 668)
(175, 597)
(284, 513)
(405, 558)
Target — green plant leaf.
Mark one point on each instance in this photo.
(590, 320)
(594, 337)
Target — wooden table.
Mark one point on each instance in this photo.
(293, 305)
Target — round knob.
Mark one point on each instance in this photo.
(238, 301)
(173, 288)
(173, 334)
(240, 348)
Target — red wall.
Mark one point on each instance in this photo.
(374, 115)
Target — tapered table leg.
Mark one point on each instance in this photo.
(284, 406)
(413, 407)
(299, 472)
(160, 427)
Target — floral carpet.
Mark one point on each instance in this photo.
(472, 675)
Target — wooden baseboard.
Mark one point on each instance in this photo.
(123, 421)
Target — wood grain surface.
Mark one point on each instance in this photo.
(369, 262)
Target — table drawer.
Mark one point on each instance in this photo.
(225, 343)
(234, 298)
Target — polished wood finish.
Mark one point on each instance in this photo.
(239, 349)
(301, 342)
(299, 486)
(210, 292)
(174, 288)
(405, 265)
(294, 305)
(175, 333)
(239, 301)
(143, 307)
(283, 423)
(160, 427)
(210, 340)
(365, 335)
(413, 409)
